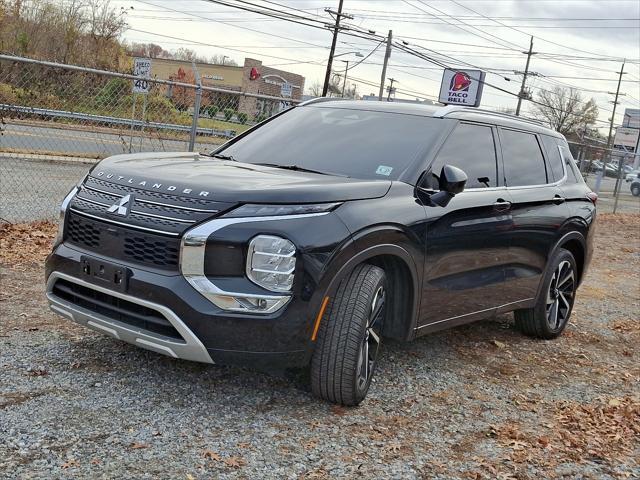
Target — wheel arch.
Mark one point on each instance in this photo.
(575, 243)
(403, 278)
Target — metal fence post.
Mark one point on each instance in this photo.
(196, 107)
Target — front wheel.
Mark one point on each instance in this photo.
(349, 337)
(548, 318)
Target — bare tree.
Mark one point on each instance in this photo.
(565, 110)
(188, 55)
(315, 89)
(74, 21)
(150, 50)
(218, 59)
(106, 25)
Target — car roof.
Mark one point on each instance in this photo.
(458, 112)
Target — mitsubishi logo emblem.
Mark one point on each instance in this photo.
(121, 207)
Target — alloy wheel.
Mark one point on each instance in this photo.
(371, 340)
(560, 295)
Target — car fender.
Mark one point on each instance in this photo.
(365, 245)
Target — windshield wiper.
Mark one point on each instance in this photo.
(298, 168)
(222, 156)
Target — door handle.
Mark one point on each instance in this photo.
(501, 205)
(557, 199)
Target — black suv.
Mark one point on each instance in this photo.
(317, 233)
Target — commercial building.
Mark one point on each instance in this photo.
(252, 77)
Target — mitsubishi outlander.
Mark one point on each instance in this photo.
(308, 239)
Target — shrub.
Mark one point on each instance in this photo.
(211, 110)
(7, 94)
(229, 113)
(113, 92)
(242, 118)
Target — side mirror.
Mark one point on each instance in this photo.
(452, 181)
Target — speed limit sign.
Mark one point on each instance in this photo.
(142, 70)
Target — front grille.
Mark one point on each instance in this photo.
(115, 308)
(121, 243)
(146, 250)
(147, 210)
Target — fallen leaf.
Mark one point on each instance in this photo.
(210, 454)
(338, 410)
(498, 343)
(71, 463)
(234, 462)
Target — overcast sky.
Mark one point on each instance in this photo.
(580, 43)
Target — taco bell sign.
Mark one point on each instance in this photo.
(461, 87)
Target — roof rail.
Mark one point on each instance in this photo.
(446, 110)
(319, 100)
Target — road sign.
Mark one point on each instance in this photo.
(142, 70)
(626, 138)
(286, 90)
(461, 87)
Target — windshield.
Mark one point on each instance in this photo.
(349, 142)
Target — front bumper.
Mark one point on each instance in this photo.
(188, 348)
(205, 333)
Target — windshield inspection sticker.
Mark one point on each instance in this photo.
(384, 170)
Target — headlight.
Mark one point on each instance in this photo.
(271, 263)
(255, 210)
(63, 213)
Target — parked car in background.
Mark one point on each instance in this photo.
(306, 240)
(631, 176)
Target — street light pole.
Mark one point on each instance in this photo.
(344, 81)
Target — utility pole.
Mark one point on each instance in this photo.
(610, 139)
(387, 54)
(607, 155)
(615, 104)
(390, 89)
(336, 29)
(523, 92)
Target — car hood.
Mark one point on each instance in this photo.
(194, 175)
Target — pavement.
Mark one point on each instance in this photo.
(83, 141)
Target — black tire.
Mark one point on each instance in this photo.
(551, 313)
(350, 329)
(635, 190)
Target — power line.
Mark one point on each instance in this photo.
(523, 32)
(499, 42)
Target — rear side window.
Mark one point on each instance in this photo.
(554, 160)
(523, 160)
(471, 148)
(573, 173)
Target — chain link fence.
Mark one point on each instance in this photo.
(613, 173)
(57, 120)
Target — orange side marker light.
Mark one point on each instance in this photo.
(325, 302)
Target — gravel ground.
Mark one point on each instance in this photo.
(479, 401)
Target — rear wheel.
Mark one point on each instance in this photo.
(349, 337)
(548, 318)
